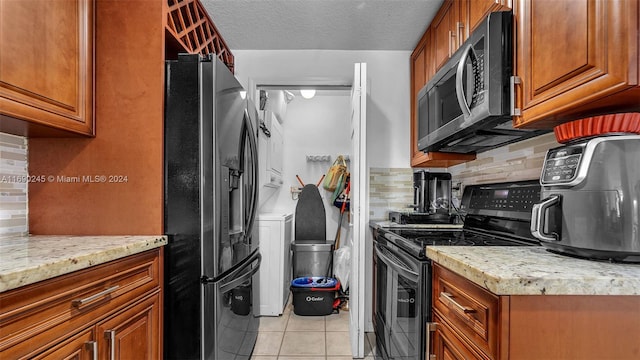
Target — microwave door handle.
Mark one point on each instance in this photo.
(459, 89)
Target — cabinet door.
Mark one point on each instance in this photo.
(418, 80)
(79, 347)
(133, 333)
(443, 27)
(575, 58)
(448, 345)
(276, 154)
(477, 10)
(46, 64)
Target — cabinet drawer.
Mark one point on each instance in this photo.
(35, 315)
(448, 345)
(467, 308)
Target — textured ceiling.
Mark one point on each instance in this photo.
(321, 24)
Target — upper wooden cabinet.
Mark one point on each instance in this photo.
(575, 58)
(454, 22)
(46, 67)
(474, 11)
(446, 27)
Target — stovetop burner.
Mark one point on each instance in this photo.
(415, 240)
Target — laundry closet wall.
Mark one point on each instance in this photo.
(317, 126)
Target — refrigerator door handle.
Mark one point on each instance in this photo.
(253, 146)
(226, 286)
(233, 272)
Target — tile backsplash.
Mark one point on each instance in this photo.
(13, 185)
(519, 161)
(389, 189)
(392, 188)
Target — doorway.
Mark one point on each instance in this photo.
(315, 131)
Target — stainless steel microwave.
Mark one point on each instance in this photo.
(467, 106)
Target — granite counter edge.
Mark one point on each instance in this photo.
(62, 266)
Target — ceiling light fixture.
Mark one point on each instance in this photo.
(308, 93)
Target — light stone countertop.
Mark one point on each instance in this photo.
(28, 259)
(519, 270)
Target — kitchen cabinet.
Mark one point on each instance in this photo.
(447, 344)
(473, 323)
(46, 67)
(130, 334)
(474, 11)
(454, 22)
(270, 147)
(89, 313)
(574, 59)
(82, 346)
(447, 29)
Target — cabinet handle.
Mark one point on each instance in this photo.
(93, 347)
(431, 327)
(80, 302)
(460, 35)
(110, 335)
(451, 35)
(445, 296)
(513, 80)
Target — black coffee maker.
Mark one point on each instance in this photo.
(431, 200)
(431, 192)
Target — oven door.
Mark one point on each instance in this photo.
(399, 303)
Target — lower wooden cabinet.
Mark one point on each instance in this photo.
(81, 346)
(448, 345)
(109, 311)
(473, 323)
(130, 333)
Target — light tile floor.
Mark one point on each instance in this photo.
(291, 336)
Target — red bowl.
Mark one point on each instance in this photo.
(598, 125)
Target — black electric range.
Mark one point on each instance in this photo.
(494, 215)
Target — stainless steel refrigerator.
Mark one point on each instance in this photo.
(210, 202)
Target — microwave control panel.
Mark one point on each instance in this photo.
(561, 165)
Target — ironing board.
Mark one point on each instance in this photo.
(310, 220)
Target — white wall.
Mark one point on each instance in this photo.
(317, 126)
(388, 88)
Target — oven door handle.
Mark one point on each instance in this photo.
(407, 273)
